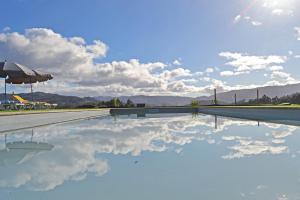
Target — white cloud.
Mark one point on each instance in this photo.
(209, 70)
(179, 72)
(285, 77)
(276, 68)
(231, 73)
(256, 23)
(247, 19)
(245, 62)
(177, 62)
(277, 11)
(280, 12)
(297, 29)
(278, 141)
(279, 8)
(237, 19)
(227, 73)
(77, 70)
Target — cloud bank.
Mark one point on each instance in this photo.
(78, 70)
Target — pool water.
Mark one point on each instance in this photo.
(174, 157)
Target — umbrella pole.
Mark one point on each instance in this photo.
(31, 92)
(5, 96)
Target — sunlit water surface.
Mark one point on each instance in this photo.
(157, 157)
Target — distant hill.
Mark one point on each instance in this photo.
(53, 98)
(223, 98)
(271, 91)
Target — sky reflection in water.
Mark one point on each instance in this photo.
(158, 157)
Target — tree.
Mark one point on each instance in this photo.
(114, 103)
(265, 100)
(129, 104)
(275, 100)
(195, 103)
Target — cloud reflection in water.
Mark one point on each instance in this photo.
(77, 146)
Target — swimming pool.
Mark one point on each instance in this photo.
(161, 156)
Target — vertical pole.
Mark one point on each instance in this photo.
(31, 92)
(257, 95)
(235, 99)
(215, 91)
(5, 96)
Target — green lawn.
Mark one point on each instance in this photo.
(21, 112)
(292, 106)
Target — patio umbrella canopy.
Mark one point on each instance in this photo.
(15, 73)
(15, 70)
(38, 77)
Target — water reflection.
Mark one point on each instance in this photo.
(19, 151)
(71, 151)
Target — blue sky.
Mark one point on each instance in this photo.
(263, 33)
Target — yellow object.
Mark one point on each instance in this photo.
(20, 99)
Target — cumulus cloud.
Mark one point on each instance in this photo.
(245, 62)
(78, 70)
(76, 67)
(283, 77)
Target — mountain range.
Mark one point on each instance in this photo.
(223, 97)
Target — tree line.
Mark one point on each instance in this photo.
(290, 99)
(113, 103)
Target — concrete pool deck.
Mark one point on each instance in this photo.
(16, 121)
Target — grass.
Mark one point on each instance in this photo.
(263, 106)
(22, 112)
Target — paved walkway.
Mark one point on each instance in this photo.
(16, 122)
